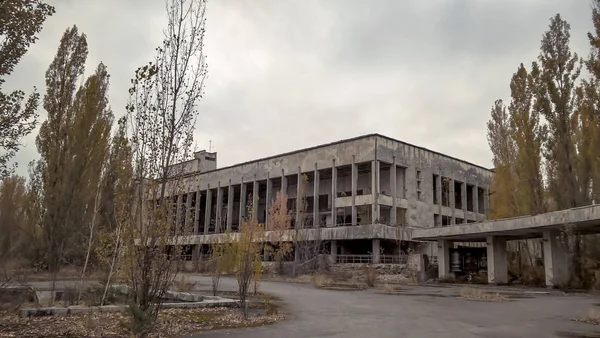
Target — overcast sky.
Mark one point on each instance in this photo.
(288, 74)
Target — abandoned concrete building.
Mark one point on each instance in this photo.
(362, 195)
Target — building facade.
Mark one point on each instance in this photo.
(363, 195)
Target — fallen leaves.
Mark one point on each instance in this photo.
(170, 323)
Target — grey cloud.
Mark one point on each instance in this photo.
(291, 74)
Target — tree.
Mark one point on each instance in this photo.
(280, 219)
(559, 70)
(503, 202)
(527, 134)
(589, 99)
(13, 196)
(20, 22)
(73, 143)
(161, 116)
(307, 243)
(247, 246)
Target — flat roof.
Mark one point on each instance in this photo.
(335, 143)
(584, 219)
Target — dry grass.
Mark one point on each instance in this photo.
(184, 285)
(321, 280)
(593, 317)
(478, 294)
(370, 276)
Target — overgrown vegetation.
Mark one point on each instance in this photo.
(478, 294)
(546, 146)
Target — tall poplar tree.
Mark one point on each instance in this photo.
(73, 143)
(555, 96)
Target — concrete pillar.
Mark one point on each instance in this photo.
(283, 182)
(497, 260)
(208, 209)
(243, 204)
(486, 203)
(230, 193)
(438, 192)
(394, 189)
(354, 177)
(178, 213)
(316, 198)
(333, 193)
(333, 250)
(219, 218)
(443, 255)
(463, 194)
(556, 259)
(374, 191)
(298, 198)
(476, 202)
(197, 212)
(376, 251)
(452, 200)
(268, 200)
(255, 197)
(188, 212)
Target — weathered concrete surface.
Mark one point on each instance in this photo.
(421, 312)
(585, 219)
(370, 231)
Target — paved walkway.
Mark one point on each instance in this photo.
(421, 312)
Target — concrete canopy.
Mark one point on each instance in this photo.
(585, 220)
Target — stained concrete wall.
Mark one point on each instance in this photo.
(411, 161)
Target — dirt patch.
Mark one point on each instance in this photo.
(480, 295)
(171, 323)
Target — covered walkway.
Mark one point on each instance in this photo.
(549, 226)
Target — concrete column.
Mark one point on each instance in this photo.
(374, 191)
(333, 194)
(255, 197)
(188, 212)
(486, 203)
(197, 212)
(207, 210)
(556, 259)
(376, 251)
(438, 192)
(316, 198)
(219, 218)
(243, 205)
(394, 189)
(230, 193)
(443, 257)
(179, 215)
(333, 246)
(452, 200)
(268, 200)
(463, 194)
(354, 177)
(476, 202)
(283, 182)
(497, 260)
(298, 198)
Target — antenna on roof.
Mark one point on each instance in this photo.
(210, 146)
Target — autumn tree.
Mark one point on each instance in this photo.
(20, 22)
(559, 69)
(161, 117)
(73, 143)
(247, 247)
(279, 227)
(12, 219)
(503, 201)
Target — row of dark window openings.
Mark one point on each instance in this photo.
(479, 195)
(447, 220)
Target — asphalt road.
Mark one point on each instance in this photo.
(421, 312)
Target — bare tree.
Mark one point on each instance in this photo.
(279, 226)
(162, 113)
